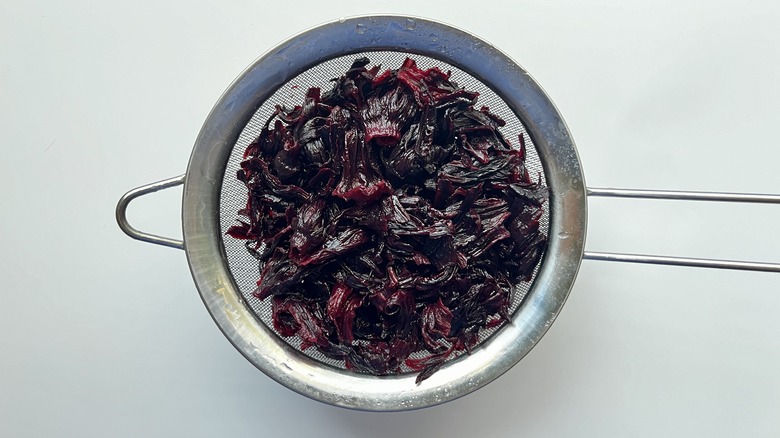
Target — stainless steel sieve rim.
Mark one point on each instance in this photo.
(234, 109)
(205, 252)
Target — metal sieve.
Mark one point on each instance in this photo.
(225, 273)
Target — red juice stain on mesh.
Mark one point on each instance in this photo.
(390, 217)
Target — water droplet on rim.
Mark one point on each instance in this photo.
(411, 23)
(360, 28)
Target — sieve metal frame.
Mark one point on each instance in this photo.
(293, 369)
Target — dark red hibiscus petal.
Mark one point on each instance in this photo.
(435, 324)
(385, 115)
(292, 317)
(241, 231)
(345, 241)
(360, 181)
(341, 308)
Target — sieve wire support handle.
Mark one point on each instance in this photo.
(683, 196)
(124, 201)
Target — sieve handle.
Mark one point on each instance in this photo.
(124, 201)
(686, 196)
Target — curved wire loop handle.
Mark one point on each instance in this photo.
(124, 201)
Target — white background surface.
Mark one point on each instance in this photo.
(101, 335)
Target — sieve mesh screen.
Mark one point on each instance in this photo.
(244, 267)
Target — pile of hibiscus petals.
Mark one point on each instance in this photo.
(390, 219)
